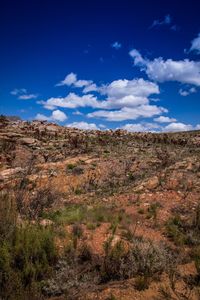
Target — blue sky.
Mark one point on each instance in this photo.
(102, 64)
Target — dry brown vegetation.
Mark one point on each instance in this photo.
(98, 215)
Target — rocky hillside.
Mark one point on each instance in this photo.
(123, 210)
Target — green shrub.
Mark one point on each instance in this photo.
(8, 215)
(153, 210)
(174, 229)
(74, 214)
(114, 256)
(70, 167)
(70, 215)
(25, 259)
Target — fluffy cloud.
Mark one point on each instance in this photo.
(124, 100)
(83, 125)
(184, 71)
(196, 44)
(116, 45)
(152, 127)
(138, 59)
(178, 127)
(128, 113)
(163, 119)
(127, 93)
(90, 88)
(141, 127)
(71, 101)
(56, 115)
(118, 94)
(123, 87)
(71, 80)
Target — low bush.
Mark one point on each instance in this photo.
(196, 257)
(175, 231)
(84, 253)
(153, 210)
(70, 167)
(27, 253)
(112, 267)
(27, 258)
(8, 215)
(143, 258)
(185, 232)
(141, 283)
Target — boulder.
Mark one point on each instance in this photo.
(27, 141)
(153, 183)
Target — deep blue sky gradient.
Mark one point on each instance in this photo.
(42, 41)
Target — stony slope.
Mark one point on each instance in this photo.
(143, 179)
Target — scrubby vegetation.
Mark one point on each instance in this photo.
(27, 253)
(98, 215)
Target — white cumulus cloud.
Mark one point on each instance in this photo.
(141, 127)
(163, 119)
(71, 80)
(154, 127)
(118, 94)
(158, 69)
(173, 127)
(72, 100)
(127, 93)
(128, 113)
(83, 125)
(56, 115)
